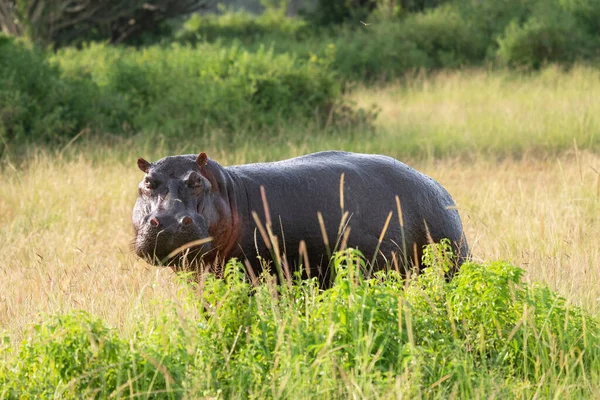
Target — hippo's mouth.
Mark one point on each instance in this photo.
(187, 254)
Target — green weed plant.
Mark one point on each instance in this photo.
(175, 91)
(485, 332)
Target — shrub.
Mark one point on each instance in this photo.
(587, 12)
(485, 329)
(75, 355)
(242, 26)
(549, 35)
(492, 17)
(192, 89)
(435, 39)
(72, 354)
(532, 32)
(447, 37)
(176, 90)
(38, 105)
(419, 5)
(464, 32)
(331, 12)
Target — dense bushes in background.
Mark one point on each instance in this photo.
(526, 33)
(441, 38)
(484, 332)
(37, 103)
(561, 32)
(447, 34)
(332, 12)
(177, 89)
(205, 85)
(248, 28)
(235, 73)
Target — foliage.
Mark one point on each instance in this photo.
(63, 22)
(38, 104)
(485, 329)
(419, 5)
(440, 38)
(586, 12)
(176, 89)
(235, 74)
(331, 12)
(441, 35)
(549, 34)
(273, 24)
(463, 32)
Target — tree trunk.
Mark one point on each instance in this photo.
(8, 18)
(61, 21)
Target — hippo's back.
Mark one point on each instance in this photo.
(299, 189)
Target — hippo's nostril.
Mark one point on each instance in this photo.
(154, 222)
(187, 220)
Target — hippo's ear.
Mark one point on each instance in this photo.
(202, 160)
(206, 171)
(143, 165)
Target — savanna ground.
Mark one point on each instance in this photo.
(518, 153)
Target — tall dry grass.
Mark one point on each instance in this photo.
(64, 221)
(494, 113)
(65, 231)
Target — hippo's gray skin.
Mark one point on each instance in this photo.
(190, 197)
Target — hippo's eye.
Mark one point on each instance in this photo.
(193, 181)
(150, 183)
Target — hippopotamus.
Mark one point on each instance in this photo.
(191, 211)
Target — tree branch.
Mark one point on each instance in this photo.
(54, 21)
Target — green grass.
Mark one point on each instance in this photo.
(495, 113)
(484, 334)
(85, 318)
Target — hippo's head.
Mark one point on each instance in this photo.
(179, 208)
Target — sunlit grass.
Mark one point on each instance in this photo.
(65, 228)
(492, 113)
(521, 162)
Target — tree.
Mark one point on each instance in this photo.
(331, 12)
(8, 21)
(60, 22)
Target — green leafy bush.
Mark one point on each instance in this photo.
(436, 39)
(490, 18)
(245, 27)
(548, 35)
(484, 330)
(331, 12)
(37, 104)
(442, 35)
(72, 355)
(587, 12)
(419, 5)
(179, 90)
(195, 88)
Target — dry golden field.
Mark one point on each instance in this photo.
(65, 220)
(66, 231)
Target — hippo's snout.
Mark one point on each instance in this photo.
(171, 224)
(162, 234)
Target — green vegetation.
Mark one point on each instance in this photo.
(495, 114)
(495, 99)
(486, 332)
(37, 104)
(236, 75)
(244, 27)
(177, 90)
(444, 34)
